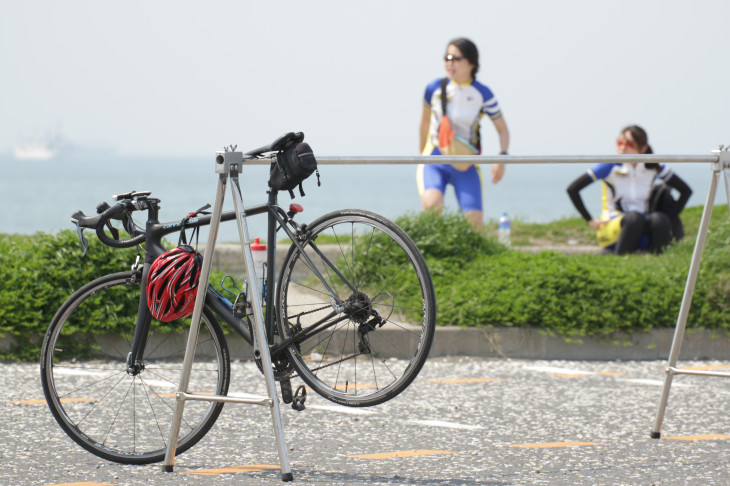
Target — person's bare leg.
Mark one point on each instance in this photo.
(475, 218)
(432, 200)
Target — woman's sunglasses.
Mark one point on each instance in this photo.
(451, 57)
(621, 143)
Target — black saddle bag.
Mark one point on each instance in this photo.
(293, 165)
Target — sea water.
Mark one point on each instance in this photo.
(41, 196)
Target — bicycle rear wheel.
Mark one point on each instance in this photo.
(118, 415)
(372, 347)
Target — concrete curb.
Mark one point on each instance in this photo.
(525, 343)
(516, 343)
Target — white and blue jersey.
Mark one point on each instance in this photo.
(625, 187)
(466, 105)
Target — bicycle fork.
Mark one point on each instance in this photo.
(135, 358)
(228, 165)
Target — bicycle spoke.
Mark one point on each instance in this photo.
(75, 391)
(101, 400)
(119, 414)
(342, 252)
(379, 273)
(121, 404)
(154, 416)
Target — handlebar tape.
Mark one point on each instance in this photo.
(115, 212)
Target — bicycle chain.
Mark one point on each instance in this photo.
(333, 363)
(308, 312)
(328, 364)
(338, 361)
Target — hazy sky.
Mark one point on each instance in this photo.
(185, 78)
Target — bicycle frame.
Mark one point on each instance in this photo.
(277, 219)
(155, 231)
(320, 326)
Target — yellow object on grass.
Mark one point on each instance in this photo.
(608, 233)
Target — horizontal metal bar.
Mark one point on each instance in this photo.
(513, 159)
(266, 402)
(680, 371)
(501, 159)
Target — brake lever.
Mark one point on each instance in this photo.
(113, 230)
(84, 241)
(128, 224)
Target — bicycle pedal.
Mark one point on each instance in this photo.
(286, 393)
(299, 398)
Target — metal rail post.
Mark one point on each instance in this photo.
(228, 165)
(717, 167)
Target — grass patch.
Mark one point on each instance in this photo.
(571, 295)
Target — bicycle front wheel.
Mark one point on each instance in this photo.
(359, 304)
(120, 414)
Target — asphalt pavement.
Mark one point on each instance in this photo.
(464, 421)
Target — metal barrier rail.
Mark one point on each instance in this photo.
(516, 159)
(228, 166)
(502, 159)
(719, 163)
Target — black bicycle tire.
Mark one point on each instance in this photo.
(429, 319)
(72, 430)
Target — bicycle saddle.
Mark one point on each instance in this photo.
(279, 144)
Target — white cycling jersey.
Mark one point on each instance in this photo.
(627, 188)
(466, 104)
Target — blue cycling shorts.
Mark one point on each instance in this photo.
(467, 184)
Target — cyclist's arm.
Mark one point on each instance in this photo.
(574, 192)
(503, 133)
(425, 125)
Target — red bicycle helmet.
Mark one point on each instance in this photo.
(172, 283)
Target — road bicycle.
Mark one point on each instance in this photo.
(351, 313)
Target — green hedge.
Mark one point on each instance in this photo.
(478, 282)
(38, 273)
(573, 295)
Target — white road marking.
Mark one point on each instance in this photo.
(448, 425)
(646, 381)
(247, 396)
(83, 372)
(342, 409)
(109, 374)
(569, 371)
(159, 384)
(556, 370)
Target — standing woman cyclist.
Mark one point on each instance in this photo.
(466, 102)
(635, 216)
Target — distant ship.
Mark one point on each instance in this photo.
(34, 150)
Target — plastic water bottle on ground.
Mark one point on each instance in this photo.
(504, 230)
